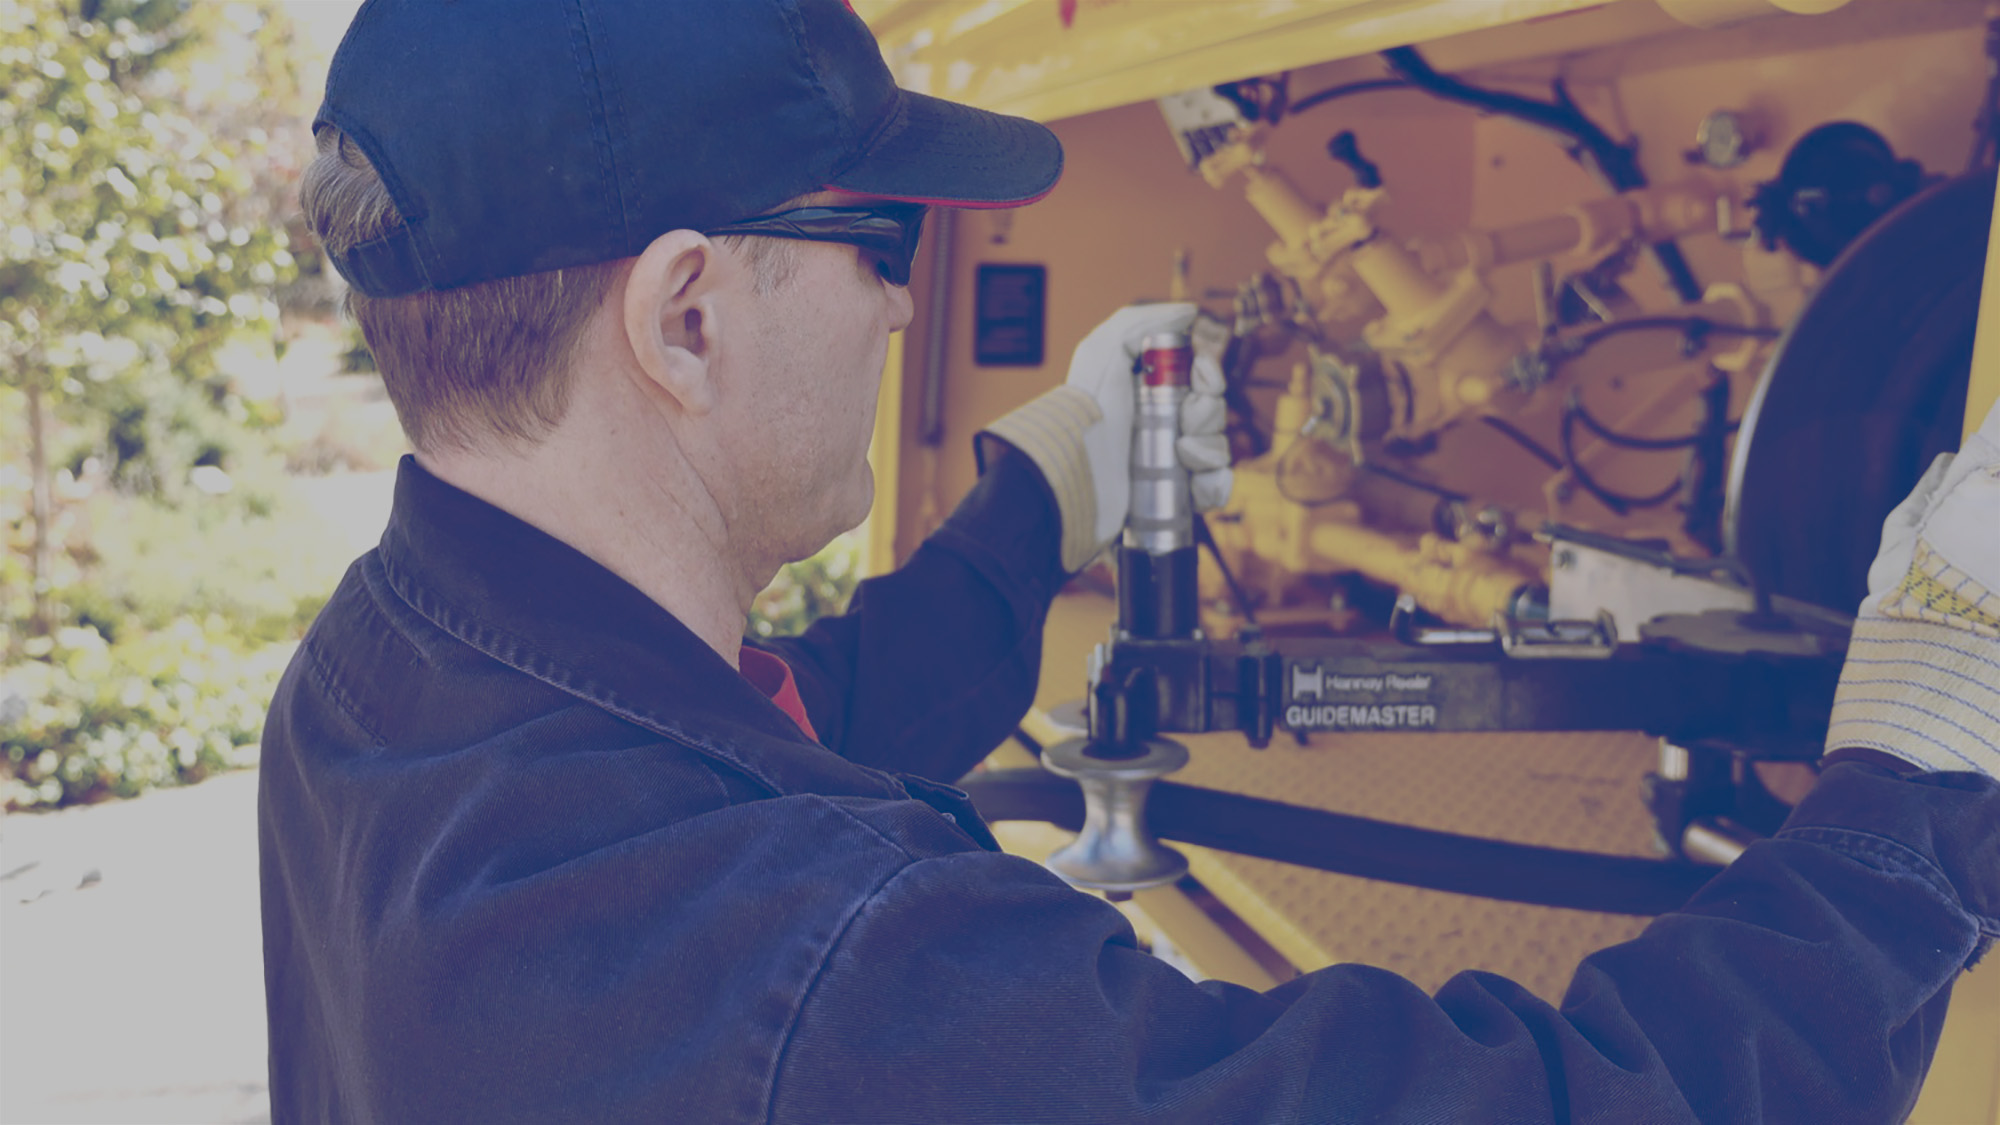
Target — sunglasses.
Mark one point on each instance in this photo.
(889, 231)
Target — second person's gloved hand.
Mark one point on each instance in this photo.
(1922, 679)
(1080, 434)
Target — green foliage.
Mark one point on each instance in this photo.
(143, 177)
(343, 432)
(177, 619)
(177, 642)
(258, 559)
(14, 530)
(87, 720)
(808, 590)
(148, 153)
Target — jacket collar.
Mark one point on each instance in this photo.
(545, 609)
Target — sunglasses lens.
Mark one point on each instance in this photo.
(888, 233)
(894, 265)
(898, 251)
(913, 234)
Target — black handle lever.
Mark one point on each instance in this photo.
(1344, 148)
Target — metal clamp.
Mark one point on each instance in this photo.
(1403, 626)
(1566, 640)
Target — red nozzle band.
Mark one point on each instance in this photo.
(1166, 361)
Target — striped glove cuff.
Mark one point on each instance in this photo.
(1922, 680)
(1050, 431)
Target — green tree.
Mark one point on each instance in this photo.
(146, 148)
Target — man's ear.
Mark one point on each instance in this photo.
(670, 316)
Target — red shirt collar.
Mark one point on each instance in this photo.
(772, 676)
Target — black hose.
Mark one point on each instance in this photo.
(1320, 97)
(1370, 849)
(1203, 537)
(1667, 255)
(1539, 451)
(1627, 441)
(1609, 159)
(1619, 503)
(1028, 741)
(1408, 481)
(1695, 327)
(1238, 361)
(1616, 164)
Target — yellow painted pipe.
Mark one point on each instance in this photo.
(1722, 13)
(1984, 389)
(1280, 203)
(1588, 229)
(1455, 581)
(885, 447)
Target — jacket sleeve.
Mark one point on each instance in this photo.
(933, 666)
(1806, 983)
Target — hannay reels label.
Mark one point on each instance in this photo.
(1316, 702)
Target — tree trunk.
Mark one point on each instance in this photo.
(40, 621)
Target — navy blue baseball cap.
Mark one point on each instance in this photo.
(517, 136)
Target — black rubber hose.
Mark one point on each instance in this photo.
(1321, 97)
(1627, 441)
(1618, 502)
(1203, 537)
(1617, 164)
(1408, 481)
(1535, 448)
(1371, 849)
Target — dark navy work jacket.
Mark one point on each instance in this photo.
(532, 852)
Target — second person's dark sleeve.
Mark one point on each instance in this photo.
(1806, 983)
(934, 665)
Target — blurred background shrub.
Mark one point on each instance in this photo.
(809, 589)
(194, 444)
(158, 563)
(84, 719)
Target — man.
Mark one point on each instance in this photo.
(543, 839)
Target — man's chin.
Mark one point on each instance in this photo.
(867, 501)
(842, 516)
(853, 508)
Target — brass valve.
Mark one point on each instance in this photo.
(1437, 332)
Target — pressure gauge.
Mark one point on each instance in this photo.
(1723, 141)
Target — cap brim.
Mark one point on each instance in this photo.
(939, 152)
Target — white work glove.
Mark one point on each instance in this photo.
(1922, 680)
(1080, 434)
